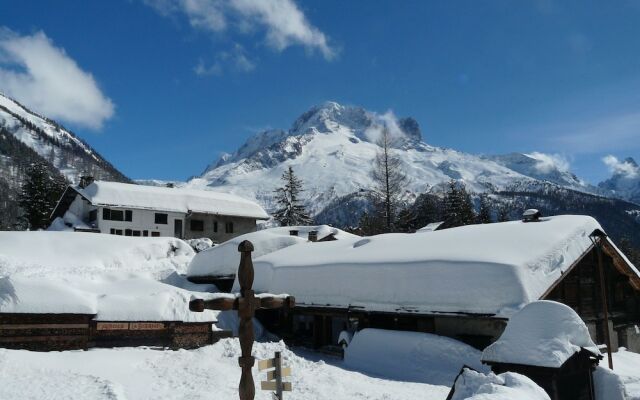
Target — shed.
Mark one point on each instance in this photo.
(549, 343)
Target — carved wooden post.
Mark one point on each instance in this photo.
(246, 311)
(246, 305)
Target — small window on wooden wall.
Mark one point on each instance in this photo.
(228, 227)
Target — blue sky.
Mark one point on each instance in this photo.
(166, 86)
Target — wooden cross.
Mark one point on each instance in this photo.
(246, 304)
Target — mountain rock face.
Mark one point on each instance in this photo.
(25, 138)
(625, 181)
(331, 148)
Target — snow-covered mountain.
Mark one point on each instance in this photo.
(625, 181)
(63, 149)
(27, 138)
(332, 147)
(543, 167)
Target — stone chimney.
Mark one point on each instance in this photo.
(293, 232)
(313, 236)
(85, 181)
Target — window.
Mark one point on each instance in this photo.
(117, 215)
(112, 215)
(128, 232)
(161, 218)
(155, 234)
(119, 232)
(128, 215)
(93, 215)
(113, 231)
(215, 226)
(197, 225)
(228, 227)
(145, 233)
(136, 233)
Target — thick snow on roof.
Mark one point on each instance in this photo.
(544, 334)
(223, 260)
(410, 356)
(472, 385)
(117, 194)
(482, 269)
(117, 278)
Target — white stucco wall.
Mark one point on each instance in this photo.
(141, 220)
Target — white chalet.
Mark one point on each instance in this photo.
(137, 210)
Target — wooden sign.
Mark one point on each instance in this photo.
(146, 326)
(271, 375)
(265, 364)
(264, 385)
(112, 326)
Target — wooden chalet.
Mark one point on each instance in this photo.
(463, 283)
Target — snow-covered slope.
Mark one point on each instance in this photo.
(64, 150)
(625, 181)
(543, 167)
(331, 147)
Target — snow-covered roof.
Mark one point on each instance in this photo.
(543, 334)
(117, 194)
(116, 278)
(473, 385)
(223, 260)
(492, 269)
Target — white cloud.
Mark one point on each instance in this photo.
(387, 121)
(547, 163)
(285, 24)
(43, 77)
(236, 59)
(624, 168)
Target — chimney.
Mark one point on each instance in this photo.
(293, 232)
(531, 215)
(313, 236)
(170, 185)
(85, 181)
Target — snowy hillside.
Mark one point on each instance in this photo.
(331, 147)
(625, 181)
(64, 150)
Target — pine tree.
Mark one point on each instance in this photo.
(389, 181)
(484, 213)
(503, 213)
(40, 193)
(291, 211)
(458, 207)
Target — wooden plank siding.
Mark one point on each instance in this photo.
(48, 332)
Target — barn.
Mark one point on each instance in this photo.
(463, 282)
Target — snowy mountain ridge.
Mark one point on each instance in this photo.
(63, 149)
(331, 148)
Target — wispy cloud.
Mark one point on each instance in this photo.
(625, 168)
(283, 23)
(235, 59)
(546, 163)
(617, 131)
(43, 77)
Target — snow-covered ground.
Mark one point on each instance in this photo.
(212, 373)
(208, 373)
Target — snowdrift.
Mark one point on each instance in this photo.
(410, 356)
(472, 385)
